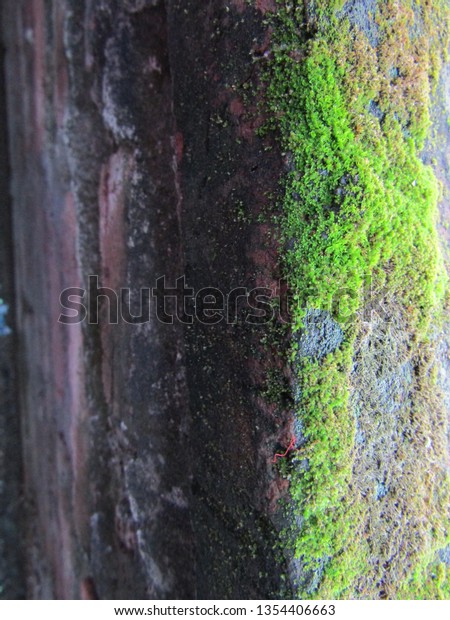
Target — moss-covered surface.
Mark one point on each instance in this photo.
(360, 208)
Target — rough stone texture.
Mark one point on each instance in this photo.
(225, 167)
(319, 336)
(104, 408)
(360, 14)
(147, 448)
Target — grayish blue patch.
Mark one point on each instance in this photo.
(380, 490)
(4, 329)
(360, 14)
(374, 109)
(444, 555)
(320, 335)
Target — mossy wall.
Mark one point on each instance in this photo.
(350, 95)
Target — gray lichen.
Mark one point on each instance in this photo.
(320, 335)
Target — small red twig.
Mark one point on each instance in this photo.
(288, 449)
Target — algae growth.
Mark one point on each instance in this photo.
(351, 105)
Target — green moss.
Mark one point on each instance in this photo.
(359, 205)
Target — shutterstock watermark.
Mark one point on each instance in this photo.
(179, 303)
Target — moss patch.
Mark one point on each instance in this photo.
(360, 207)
